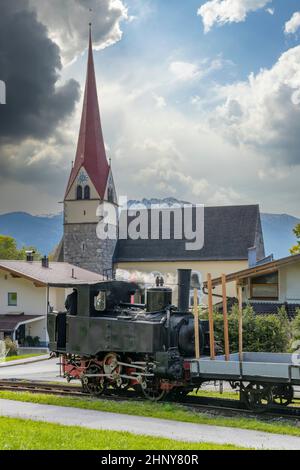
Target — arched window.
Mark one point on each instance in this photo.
(79, 192)
(87, 192)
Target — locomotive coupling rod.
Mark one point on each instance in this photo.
(110, 376)
(130, 365)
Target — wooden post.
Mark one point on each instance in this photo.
(240, 300)
(196, 325)
(225, 317)
(211, 317)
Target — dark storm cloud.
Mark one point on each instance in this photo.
(30, 65)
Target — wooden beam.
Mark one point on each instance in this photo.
(240, 300)
(196, 325)
(225, 317)
(211, 317)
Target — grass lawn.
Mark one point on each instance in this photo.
(18, 434)
(25, 356)
(170, 411)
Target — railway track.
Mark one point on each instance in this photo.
(226, 406)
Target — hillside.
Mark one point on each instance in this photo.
(45, 232)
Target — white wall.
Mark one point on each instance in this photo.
(289, 282)
(31, 299)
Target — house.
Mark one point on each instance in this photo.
(269, 286)
(26, 294)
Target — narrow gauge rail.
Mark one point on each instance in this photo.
(222, 406)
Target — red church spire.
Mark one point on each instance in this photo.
(90, 148)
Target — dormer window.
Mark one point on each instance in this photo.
(87, 192)
(79, 193)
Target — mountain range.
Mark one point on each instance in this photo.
(45, 232)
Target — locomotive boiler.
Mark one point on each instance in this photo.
(109, 342)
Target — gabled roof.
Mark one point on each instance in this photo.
(90, 149)
(63, 274)
(229, 231)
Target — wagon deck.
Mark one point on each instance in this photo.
(264, 367)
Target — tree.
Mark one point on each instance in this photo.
(296, 249)
(10, 251)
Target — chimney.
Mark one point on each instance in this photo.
(45, 262)
(184, 281)
(29, 255)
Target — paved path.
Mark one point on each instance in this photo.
(40, 371)
(24, 361)
(149, 426)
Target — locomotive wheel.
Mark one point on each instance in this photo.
(152, 391)
(257, 395)
(93, 385)
(282, 394)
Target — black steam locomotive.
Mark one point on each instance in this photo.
(107, 341)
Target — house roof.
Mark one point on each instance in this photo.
(90, 148)
(229, 231)
(12, 322)
(58, 274)
(257, 270)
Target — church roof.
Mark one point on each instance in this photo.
(90, 148)
(229, 231)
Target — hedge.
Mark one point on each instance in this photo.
(261, 333)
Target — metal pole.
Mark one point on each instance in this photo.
(196, 325)
(211, 317)
(225, 317)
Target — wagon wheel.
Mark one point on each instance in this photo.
(283, 394)
(152, 391)
(257, 395)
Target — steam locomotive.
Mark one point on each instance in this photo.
(108, 342)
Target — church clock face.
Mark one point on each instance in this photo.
(83, 177)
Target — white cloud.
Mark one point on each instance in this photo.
(228, 11)
(67, 22)
(271, 11)
(184, 70)
(264, 111)
(292, 26)
(160, 101)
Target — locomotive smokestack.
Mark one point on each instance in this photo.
(184, 281)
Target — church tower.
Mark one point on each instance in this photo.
(90, 183)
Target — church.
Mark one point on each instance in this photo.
(232, 234)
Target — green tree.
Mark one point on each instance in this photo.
(9, 249)
(296, 249)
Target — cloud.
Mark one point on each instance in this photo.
(292, 26)
(264, 111)
(186, 71)
(30, 66)
(67, 22)
(228, 11)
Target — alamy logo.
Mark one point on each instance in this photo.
(2, 92)
(154, 222)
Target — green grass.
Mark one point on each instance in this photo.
(24, 356)
(18, 434)
(169, 411)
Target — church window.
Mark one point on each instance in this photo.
(79, 192)
(87, 192)
(82, 246)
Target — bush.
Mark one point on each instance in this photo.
(261, 333)
(11, 347)
(32, 342)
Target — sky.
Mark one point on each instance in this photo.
(199, 100)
